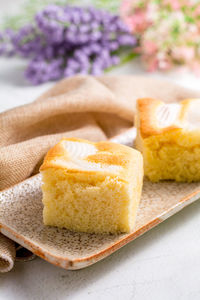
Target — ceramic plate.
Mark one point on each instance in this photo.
(21, 220)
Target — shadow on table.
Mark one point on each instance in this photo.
(41, 280)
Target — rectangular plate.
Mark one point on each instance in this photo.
(21, 220)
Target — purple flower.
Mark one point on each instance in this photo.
(69, 72)
(27, 41)
(85, 16)
(113, 45)
(73, 64)
(40, 71)
(126, 40)
(115, 60)
(66, 40)
(6, 47)
(96, 69)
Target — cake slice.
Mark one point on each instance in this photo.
(91, 187)
(168, 135)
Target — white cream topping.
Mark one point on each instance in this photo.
(167, 114)
(77, 152)
(193, 115)
(85, 165)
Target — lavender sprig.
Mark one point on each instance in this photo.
(69, 40)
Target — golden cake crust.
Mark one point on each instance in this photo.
(146, 116)
(107, 154)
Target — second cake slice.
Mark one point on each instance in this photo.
(168, 135)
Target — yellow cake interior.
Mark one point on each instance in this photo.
(100, 198)
(170, 152)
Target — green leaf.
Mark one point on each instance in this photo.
(28, 11)
(189, 19)
(124, 60)
(31, 7)
(111, 5)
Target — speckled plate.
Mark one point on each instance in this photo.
(21, 220)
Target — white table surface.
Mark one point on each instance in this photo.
(162, 264)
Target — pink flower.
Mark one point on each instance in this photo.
(125, 7)
(184, 53)
(138, 22)
(164, 64)
(169, 35)
(197, 11)
(195, 66)
(149, 47)
(136, 18)
(150, 62)
(175, 4)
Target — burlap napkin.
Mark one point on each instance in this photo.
(82, 106)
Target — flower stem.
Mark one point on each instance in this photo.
(125, 59)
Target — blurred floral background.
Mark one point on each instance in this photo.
(61, 38)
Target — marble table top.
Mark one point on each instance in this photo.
(162, 264)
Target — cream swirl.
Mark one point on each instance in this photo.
(77, 152)
(167, 114)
